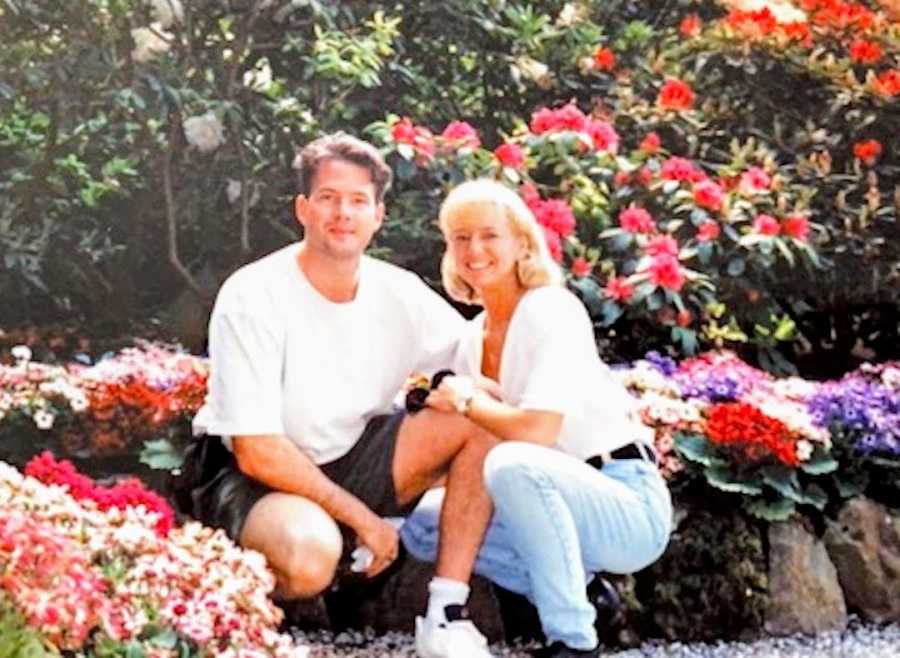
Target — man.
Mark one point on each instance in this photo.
(308, 348)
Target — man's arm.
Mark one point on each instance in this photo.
(279, 464)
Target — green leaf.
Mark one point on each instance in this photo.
(779, 510)
(696, 449)
(851, 482)
(161, 455)
(165, 639)
(820, 463)
(722, 478)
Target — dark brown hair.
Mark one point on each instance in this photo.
(341, 146)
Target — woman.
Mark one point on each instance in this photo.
(574, 481)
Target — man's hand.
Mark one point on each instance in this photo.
(447, 395)
(382, 538)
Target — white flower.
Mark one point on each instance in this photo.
(43, 419)
(21, 353)
(804, 450)
(233, 192)
(571, 14)
(534, 70)
(167, 12)
(204, 131)
(784, 11)
(150, 42)
(259, 78)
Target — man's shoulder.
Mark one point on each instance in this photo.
(250, 281)
(393, 277)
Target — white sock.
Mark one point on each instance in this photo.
(443, 592)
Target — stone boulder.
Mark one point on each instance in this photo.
(804, 593)
(864, 544)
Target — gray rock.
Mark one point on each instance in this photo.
(804, 593)
(864, 544)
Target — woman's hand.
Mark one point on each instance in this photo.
(452, 392)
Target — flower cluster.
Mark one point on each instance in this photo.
(753, 435)
(84, 577)
(124, 494)
(108, 407)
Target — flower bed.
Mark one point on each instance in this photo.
(102, 572)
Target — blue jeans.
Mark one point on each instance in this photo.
(557, 521)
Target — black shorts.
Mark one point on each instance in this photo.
(224, 497)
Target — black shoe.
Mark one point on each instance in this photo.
(560, 650)
(606, 601)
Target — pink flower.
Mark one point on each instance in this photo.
(635, 219)
(581, 267)
(621, 178)
(529, 194)
(708, 194)
(619, 289)
(461, 134)
(510, 155)
(556, 215)
(662, 245)
(796, 226)
(604, 136)
(766, 225)
(645, 176)
(665, 271)
(650, 144)
(708, 231)
(569, 117)
(755, 179)
(554, 243)
(681, 169)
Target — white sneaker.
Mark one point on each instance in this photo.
(450, 639)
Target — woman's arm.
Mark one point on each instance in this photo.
(460, 395)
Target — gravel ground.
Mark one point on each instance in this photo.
(858, 641)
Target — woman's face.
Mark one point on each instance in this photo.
(484, 246)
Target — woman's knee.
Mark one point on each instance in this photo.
(507, 466)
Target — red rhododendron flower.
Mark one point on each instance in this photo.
(684, 318)
(796, 226)
(510, 155)
(681, 169)
(843, 16)
(888, 83)
(404, 132)
(708, 194)
(645, 176)
(865, 52)
(662, 245)
(619, 289)
(708, 231)
(766, 225)
(604, 136)
(752, 434)
(461, 134)
(665, 271)
(636, 220)
(867, 151)
(675, 95)
(581, 267)
(556, 215)
(755, 179)
(753, 25)
(691, 26)
(651, 144)
(604, 59)
(567, 117)
(799, 32)
(621, 178)
(554, 243)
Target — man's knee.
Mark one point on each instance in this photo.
(313, 559)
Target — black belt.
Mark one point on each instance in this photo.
(628, 451)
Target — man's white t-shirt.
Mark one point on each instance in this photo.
(285, 360)
(550, 363)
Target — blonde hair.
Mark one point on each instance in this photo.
(537, 268)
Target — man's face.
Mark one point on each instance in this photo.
(341, 213)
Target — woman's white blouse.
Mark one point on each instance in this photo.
(550, 363)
